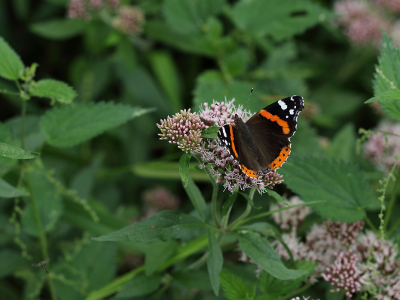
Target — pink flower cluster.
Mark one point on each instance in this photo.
(382, 150)
(183, 129)
(158, 199)
(344, 274)
(127, 19)
(362, 21)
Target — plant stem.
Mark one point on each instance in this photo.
(246, 212)
(36, 215)
(392, 200)
(374, 229)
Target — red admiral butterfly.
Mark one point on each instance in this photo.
(262, 144)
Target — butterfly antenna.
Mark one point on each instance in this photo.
(248, 99)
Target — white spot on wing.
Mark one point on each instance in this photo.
(282, 105)
(291, 111)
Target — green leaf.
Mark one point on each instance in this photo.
(167, 170)
(184, 168)
(8, 191)
(235, 288)
(13, 152)
(387, 76)
(139, 285)
(187, 17)
(195, 43)
(53, 89)
(210, 132)
(280, 19)
(263, 228)
(249, 200)
(193, 279)
(211, 86)
(259, 250)
(6, 164)
(214, 260)
(229, 203)
(165, 70)
(68, 126)
(11, 260)
(165, 225)
(342, 186)
(276, 196)
(196, 197)
(343, 144)
(237, 61)
(10, 63)
(275, 288)
(158, 252)
(48, 203)
(58, 29)
(389, 95)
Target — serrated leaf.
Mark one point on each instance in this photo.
(187, 17)
(235, 288)
(387, 76)
(342, 186)
(210, 132)
(13, 152)
(53, 89)
(8, 191)
(228, 203)
(196, 197)
(343, 144)
(276, 196)
(184, 168)
(259, 250)
(68, 126)
(139, 285)
(280, 19)
(165, 225)
(389, 95)
(249, 200)
(10, 63)
(59, 29)
(214, 260)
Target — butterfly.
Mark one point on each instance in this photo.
(262, 144)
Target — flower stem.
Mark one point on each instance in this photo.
(392, 200)
(36, 215)
(374, 229)
(246, 212)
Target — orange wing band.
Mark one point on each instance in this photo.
(275, 118)
(248, 172)
(232, 142)
(280, 160)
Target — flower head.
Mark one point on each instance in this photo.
(96, 4)
(183, 129)
(382, 150)
(344, 274)
(76, 9)
(360, 24)
(290, 219)
(344, 232)
(129, 20)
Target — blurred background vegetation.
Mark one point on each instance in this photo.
(169, 55)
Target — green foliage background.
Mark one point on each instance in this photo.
(92, 117)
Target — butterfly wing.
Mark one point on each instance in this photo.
(272, 128)
(237, 145)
